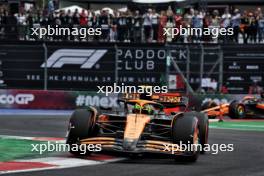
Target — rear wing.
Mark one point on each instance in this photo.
(166, 99)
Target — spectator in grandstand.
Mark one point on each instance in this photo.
(137, 26)
(235, 24)
(147, 25)
(83, 19)
(121, 27)
(104, 22)
(21, 22)
(188, 17)
(169, 24)
(226, 19)
(226, 23)
(255, 88)
(51, 6)
(68, 18)
(113, 27)
(215, 23)
(253, 28)
(75, 23)
(188, 21)
(197, 22)
(63, 23)
(69, 23)
(155, 25)
(206, 24)
(76, 18)
(125, 27)
(162, 24)
(260, 19)
(129, 19)
(178, 22)
(57, 23)
(244, 26)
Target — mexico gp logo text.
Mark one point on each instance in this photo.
(21, 99)
(87, 58)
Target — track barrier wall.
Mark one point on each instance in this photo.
(68, 100)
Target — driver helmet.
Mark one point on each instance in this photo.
(148, 109)
(137, 108)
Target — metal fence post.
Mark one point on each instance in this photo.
(201, 66)
(177, 68)
(116, 64)
(188, 90)
(221, 72)
(45, 68)
(167, 47)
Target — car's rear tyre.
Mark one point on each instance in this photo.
(185, 130)
(203, 124)
(80, 127)
(208, 105)
(237, 110)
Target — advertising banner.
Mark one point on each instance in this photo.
(84, 66)
(78, 66)
(68, 100)
(243, 67)
(39, 99)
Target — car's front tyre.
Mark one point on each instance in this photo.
(80, 127)
(185, 131)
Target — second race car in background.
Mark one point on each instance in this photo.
(248, 107)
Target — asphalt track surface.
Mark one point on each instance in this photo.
(246, 160)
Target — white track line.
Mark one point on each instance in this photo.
(32, 138)
(58, 162)
(61, 163)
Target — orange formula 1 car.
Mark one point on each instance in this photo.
(141, 126)
(248, 107)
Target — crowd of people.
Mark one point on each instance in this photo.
(128, 26)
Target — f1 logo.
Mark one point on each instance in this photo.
(87, 58)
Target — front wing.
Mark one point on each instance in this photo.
(143, 146)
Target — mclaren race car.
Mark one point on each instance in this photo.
(142, 126)
(248, 107)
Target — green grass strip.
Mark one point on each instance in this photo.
(239, 125)
(12, 149)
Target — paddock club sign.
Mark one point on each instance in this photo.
(85, 69)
